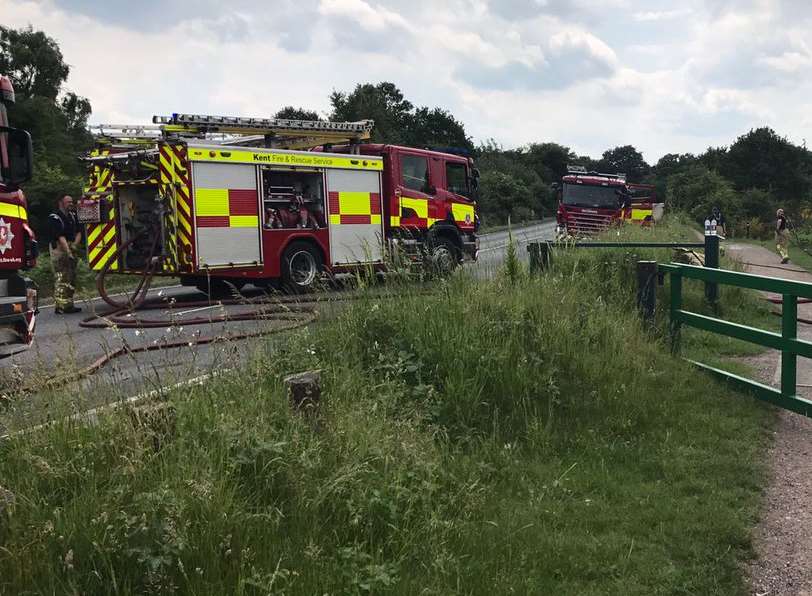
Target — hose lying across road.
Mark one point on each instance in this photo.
(292, 311)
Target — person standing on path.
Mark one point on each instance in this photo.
(781, 235)
(716, 215)
(65, 237)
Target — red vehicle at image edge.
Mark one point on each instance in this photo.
(216, 199)
(591, 202)
(18, 247)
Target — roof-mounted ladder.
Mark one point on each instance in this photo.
(276, 132)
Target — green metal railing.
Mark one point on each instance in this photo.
(787, 341)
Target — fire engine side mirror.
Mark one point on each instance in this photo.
(20, 155)
(555, 186)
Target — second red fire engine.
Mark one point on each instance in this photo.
(591, 202)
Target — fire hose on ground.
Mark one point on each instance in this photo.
(291, 310)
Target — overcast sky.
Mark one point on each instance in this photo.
(665, 76)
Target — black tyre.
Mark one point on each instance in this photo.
(444, 257)
(301, 267)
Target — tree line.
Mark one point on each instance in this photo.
(747, 180)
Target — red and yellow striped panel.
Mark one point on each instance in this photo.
(102, 237)
(354, 208)
(177, 188)
(226, 208)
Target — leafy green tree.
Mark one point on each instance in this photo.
(33, 61)
(626, 160)
(550, 160)
(293, 113)
(436, 128)
(592, 165)
(397, 120)
(757, 203)
(697, 190)
(763, 160)
(537, 202)
(714, 158)
(668, 165)
(503, 196)
(384, 103)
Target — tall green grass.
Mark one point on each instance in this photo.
(516, 435)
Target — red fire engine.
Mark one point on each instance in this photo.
(215, 199)
(591, 202)
(18, 249)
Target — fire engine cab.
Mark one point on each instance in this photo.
(591, 202)
(220, 199)
(18, 248)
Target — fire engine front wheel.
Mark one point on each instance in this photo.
(301, 267)
(444, 257)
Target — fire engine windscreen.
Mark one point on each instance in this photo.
(141, 220)
(584, 195)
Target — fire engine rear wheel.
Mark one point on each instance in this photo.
(301, 267)
(444, 257)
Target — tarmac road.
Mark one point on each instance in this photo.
(62, 346)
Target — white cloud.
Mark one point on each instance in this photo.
(377, 18)
(661, 15)
(575, 39)
(589, 74)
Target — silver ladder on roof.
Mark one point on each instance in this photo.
(268, 132)
(235, 130)
(236, 123)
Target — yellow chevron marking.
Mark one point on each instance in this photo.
(107, 255)
(186, 225)
(94, 233)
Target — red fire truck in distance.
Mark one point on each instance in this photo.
(18, 249)
(591, 202)
(215, 199)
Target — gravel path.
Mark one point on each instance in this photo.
(783, 539)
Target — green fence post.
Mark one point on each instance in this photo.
(676, 305)
(789, 330)
(534, 248)
(712, 260)
(647, 289)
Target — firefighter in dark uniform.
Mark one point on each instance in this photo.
(65, 237)
(781, 235)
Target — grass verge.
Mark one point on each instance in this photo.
(510, 436)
